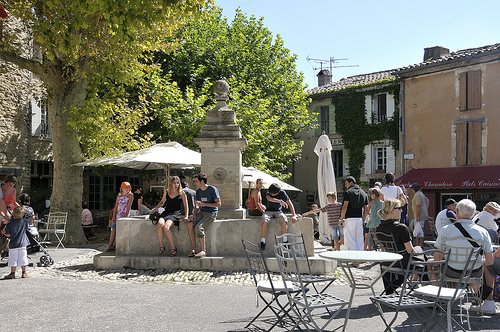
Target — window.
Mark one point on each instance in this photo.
(470, 90)
(469, 143)
(380, 108)
(325, 119)
(44, 121)
(380, 159)
(94, 193)
(338, 162)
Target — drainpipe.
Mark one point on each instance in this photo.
(403, 171)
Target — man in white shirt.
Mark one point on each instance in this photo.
(486, 218)
(446, 216)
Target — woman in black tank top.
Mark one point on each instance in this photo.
(173, 197)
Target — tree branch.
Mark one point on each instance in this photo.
(31, 65)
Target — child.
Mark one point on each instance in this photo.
(16, 230)
(373, 218)
(332, 210)
(122, 209)
(276, 199)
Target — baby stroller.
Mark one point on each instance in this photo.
(35, 246)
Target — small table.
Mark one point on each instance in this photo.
(345, 257)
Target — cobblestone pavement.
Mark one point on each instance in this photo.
(81, 268)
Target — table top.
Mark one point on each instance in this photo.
(361, 256)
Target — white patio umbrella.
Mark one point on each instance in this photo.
(326, 178)
(159, 156)
(251, 174)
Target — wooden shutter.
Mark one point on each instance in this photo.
(461, 157)
(317, 132)
(463, 91)
(474, 90)
(331, 119)
(474, 143)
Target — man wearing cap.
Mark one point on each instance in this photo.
(446, 216)
(486, 219)
(420, 208)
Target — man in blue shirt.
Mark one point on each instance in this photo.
(276, 199)
(208, 203)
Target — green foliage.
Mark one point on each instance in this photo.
(266, 91)
(350, 119)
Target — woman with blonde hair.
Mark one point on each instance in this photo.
(174, 197)
(390, 215)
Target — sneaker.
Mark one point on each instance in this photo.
(10, 276)
(25, 275)
(201, 254)
(192, 253)
(488, 307)
(263, 245)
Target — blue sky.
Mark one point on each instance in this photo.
(375, 35)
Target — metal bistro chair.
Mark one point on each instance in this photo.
(451, 295)
(417, 274)
(299, 245)
(56, 224)
(386, 242)
(304, 303)
(258, 267)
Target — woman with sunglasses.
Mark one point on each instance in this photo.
(390, 214)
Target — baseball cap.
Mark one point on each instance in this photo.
(415, 186)
(449, 202)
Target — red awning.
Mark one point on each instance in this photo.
(3, 12)
(479, 177)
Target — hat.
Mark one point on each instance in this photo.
(449, 202)
(126, 184)
(415, 186)
(493, 205)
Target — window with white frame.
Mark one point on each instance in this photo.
(380, 162)
(380, 107)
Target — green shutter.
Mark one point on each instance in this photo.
(331, 118)
(317, 132)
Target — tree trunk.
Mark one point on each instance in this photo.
(67, 191)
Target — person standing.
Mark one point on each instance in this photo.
(121, 209)
(355, 202)
(9, 192)
(446, 216)
(16, 230)
(420, 208)
(390, 190)
(190, 196)
(208, 203)
(373, 218)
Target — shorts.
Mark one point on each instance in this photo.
(135, 213)
(278, 215)
(254, 213)
(495, 267)
(454, 273)
(336, 232)
(18, 256)
(365, 230)
(202, 219)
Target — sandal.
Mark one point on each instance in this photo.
(173, 252)
(192, 253)
(162, 250)
(110, 249)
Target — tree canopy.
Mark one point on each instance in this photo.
(84, 51)
(266, 91)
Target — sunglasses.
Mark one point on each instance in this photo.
(398, 208)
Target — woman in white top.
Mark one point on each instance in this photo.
(390, 190)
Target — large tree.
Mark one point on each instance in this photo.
(266, 90)
(76, 47)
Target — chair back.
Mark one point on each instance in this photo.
(298, 244)
(386, 242)
(256, 262)
(460, 250)
(421, 272)
(289, 269)
(57, 221)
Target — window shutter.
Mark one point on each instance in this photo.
(391, 160)
(474, 143)
(390, 105)
(331, 120)
(317, 131)
(368, 159)
(461, 156)
(474, 90)
(463, 91)
(368, 107)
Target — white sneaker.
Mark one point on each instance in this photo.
(488, 307)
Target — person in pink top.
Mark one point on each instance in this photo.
(122, 209)
(9, 192)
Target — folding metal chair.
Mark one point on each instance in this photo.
(56, 225)
(258, 269)
(299, 245)
(304, 303)
(418, 273)
(451, 295)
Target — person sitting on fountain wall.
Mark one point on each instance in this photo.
(276, 200)
(208, 203)
(255, 206)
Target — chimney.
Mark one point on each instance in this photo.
(324, 77)
(435, 53)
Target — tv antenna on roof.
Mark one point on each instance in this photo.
(332, 61)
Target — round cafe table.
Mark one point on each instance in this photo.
(345, 257)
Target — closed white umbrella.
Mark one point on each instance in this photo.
(326, 178)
